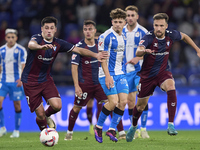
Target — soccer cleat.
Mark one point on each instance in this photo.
(15, 134)
(112, 135)
(68, 136)
(171, 130)
(130, 134)
(137, 134)
(91, 131)
(122, 137)
(98, 134)
(51, 123)
(3, 131)
(144, 133)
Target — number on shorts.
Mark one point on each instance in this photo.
(85, 95)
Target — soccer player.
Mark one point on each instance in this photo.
(85, 76)
(112, 76)
(36, 76)
(155, 47)
(12, 60)
(134, 32)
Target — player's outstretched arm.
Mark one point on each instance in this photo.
(85, 52)
(141, 51)
(33, 45)
(189, 41)
(134, 60)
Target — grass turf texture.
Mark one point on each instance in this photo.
(159, 140)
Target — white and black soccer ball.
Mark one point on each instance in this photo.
(49, 137)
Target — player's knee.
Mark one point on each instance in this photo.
(123, 102)
(130, 103)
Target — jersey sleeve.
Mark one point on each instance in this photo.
(144, 41)
(66, 46)
(103, 43)
(176, 35)
(75, 58)
(37, 37)
(23, 55)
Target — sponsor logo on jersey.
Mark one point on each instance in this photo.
(44, 58)
(16, 50)
(155, 44)
(74, 56)
(165, 53)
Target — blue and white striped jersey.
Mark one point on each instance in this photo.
(10, 61)
(115, 45)
(132, 41)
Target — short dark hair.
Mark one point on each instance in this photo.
(118, 13)
(132, 8)
(159, 16)
(49, 19)
(87, 22)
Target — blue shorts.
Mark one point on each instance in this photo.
(15, 93)
(120, 85)
(133, 81)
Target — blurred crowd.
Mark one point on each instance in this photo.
(26, 15)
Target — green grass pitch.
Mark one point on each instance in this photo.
(159, 140)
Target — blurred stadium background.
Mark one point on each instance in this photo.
(26, 15)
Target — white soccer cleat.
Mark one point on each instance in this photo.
(144, 133)
(3, 131)
(51, 123)
(68, 136)
(137, 134)
(15, 134)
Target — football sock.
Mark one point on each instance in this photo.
(120, 126)
(117, 116)
(144, 117)
(2, 124)
(171, 104)
(130, 113)
(136, 116)
(18, 116)
(72, 119)
(99, 108)
(89, 114)
(50, 111)
(102, 117)
(42, 124)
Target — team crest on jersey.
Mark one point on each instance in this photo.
(54, 48)
(16, 51)
(141, 42)
(137, 34)
(155, 44)
(74, 56)
(168, 42)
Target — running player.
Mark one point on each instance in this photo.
(36, 77)
(155, 47)
(112, 76)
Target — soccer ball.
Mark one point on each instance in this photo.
(49, 137)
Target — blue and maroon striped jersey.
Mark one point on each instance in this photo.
(157, 62)
(39, 62)
(88, 67)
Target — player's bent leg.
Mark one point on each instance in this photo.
(41, 117)
(55, 106)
